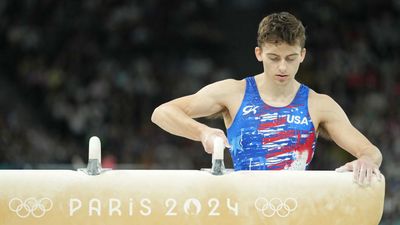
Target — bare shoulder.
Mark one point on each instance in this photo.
(324, 107)
(227, 85)
(223, 89)
(319, 100)
(227, 94)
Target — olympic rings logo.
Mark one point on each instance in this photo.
(31, 206)
(275, 206)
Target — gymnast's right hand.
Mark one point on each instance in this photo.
(208, 136)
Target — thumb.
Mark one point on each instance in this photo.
(226, 142)
(345, 168)
(341, 169)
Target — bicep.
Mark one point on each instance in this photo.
(340, 129)
(205, 102)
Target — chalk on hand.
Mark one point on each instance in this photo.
(219, 147)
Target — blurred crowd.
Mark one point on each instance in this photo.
(74, 69)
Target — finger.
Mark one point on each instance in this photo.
(378, 174)
(224, 139)
(362, 174)
(226, 142)
(346, 167)
(341, 169)
(356, 172)
(369, 176)
(211, 142)
(208, 148)
(221, 134)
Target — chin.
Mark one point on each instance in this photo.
(283, 82)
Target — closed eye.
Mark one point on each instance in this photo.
(291, 58)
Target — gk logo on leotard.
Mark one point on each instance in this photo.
(275, 206)
(250, 108)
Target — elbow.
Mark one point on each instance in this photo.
(158, 114)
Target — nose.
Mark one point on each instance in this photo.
(282, 66)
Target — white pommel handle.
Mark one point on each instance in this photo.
(219, 147)
(94, 148)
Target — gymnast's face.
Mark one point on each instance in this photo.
(280, 61)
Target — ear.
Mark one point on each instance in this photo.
(303, 54)
(258, 52)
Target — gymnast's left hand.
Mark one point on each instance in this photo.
(363, 170)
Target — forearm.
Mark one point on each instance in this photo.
(175, 121)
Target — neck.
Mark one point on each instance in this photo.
(277, 91)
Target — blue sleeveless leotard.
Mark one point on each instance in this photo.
(264, 137)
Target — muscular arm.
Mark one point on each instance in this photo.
(177, 116)
(334, 120)
(343, 133)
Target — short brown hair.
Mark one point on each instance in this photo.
(281, 27)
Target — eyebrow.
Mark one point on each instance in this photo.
(273, 54)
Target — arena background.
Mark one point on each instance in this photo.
(74, 69)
